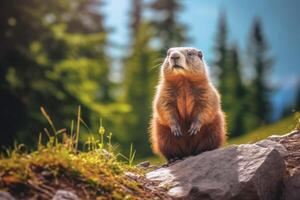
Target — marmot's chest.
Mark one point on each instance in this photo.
(186, 101)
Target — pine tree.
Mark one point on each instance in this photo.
(297, 102)
(138, 81)
(169, 30)
(221, 51)
(230, 82)
(136, 17)
(261, 63)
(51, 55)
(294, 107)
(222, 68)
(235, 96)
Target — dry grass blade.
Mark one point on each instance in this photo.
(77, 127)
(45, 114)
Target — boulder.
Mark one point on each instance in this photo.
(270, 143)
(239, 172)
(292, 187)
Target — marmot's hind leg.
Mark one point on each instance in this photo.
(161, 140)
(212, 136)
(167, 144)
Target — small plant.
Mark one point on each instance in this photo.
(109, 144)
(101, 132)
(58, 161)
(297, 117)
(131, 155)
(77, 128)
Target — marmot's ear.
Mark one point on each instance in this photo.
(169, 52)
(200, 54)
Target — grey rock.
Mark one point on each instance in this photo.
(244, 172)
(6, 196)
(144, 164)
(65, 195)
(292, 188)
(132, 175)
(272, 144)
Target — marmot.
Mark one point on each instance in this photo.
(187, 118)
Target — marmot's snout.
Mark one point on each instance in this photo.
(176, 59)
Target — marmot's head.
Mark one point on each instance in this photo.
(183, 61)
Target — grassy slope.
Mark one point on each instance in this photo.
(95, 174)
(281, 127)
(92, 175)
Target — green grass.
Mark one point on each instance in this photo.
(98, 173)
(281, 127)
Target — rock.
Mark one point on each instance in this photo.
(6, 196)
(278, 138)
(131, 175)
(292, 188)
(144, 164)
(65, 195)
(291, 142)
(241, 172)
(270, 143)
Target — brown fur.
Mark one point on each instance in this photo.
(184, 99)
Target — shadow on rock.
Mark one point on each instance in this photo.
(239, 172)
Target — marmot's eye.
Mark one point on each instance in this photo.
(200, 54)
(190, 53)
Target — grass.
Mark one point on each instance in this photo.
(98, 173)
(281, 127)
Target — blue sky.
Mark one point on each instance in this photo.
(281, 25)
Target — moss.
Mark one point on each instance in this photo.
(94, 174)
(57, 167)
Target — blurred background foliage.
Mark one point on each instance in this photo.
(55, 54)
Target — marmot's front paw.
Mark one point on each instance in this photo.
(195, 128)
(175, 129)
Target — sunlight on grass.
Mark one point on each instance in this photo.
(98, 172)
(282, 127)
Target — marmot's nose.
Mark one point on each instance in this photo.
(175, 56)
